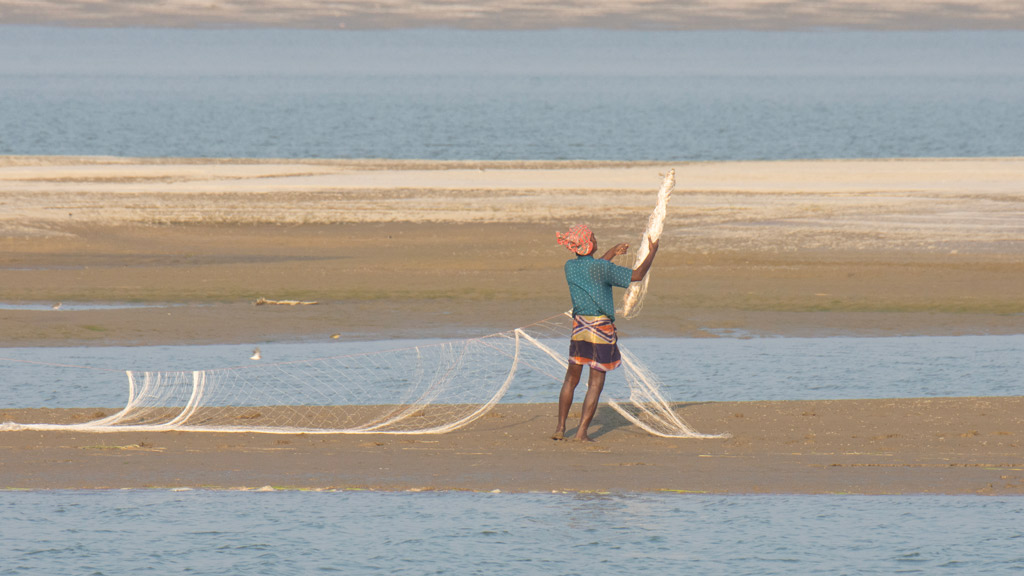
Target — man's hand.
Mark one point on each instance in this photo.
(641, 270)
(617, 250)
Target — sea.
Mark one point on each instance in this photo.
(508, 95)
(531, 95)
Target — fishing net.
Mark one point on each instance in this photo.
(427, 389)
(633, 299)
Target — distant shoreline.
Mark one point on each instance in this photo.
(506, 15)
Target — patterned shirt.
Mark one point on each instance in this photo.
(590, 285)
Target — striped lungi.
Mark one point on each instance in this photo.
(594, 343)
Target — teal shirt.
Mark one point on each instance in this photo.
(590, 285)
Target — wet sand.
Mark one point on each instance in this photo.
(936, 445)
(392, 249)
(406, 248)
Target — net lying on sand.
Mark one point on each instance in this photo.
(417, 390)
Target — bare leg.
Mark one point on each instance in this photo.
(572, 378)
(594, 386)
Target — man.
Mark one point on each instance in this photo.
(594, 342)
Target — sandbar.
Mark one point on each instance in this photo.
(396, 249)
(901, 446)
(391, 248)
(522, 14)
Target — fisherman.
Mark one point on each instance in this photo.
(594, 342)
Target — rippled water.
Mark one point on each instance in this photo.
(690, 369)
(278, 533)
(568, 94)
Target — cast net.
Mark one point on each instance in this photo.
(633, 299)
(426, 389)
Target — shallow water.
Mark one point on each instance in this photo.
(689, 369)
(164, 532)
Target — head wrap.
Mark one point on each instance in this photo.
(578, 239)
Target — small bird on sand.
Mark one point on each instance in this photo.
(255, 355)
(57, 305)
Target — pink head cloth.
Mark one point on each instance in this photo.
(578, 239)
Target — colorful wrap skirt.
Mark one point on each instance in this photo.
(594, 343)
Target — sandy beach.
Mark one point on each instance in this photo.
(391, 249)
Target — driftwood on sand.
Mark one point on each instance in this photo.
(262, 301)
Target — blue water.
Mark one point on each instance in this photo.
(690, 369)
(565, 94)
(203, 532)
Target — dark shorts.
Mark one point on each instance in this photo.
(594, 343)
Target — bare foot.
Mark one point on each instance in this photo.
(559, 434)
(584, 438)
